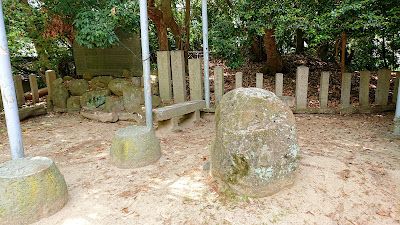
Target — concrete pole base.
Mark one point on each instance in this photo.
(30, 189)
(134, 147)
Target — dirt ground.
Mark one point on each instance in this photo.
(349, 174)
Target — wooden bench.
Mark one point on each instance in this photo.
(169, 116)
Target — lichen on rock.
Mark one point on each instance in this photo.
(255, 151)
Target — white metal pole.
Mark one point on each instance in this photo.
(8, 95)
(205, 53)
(144, 30)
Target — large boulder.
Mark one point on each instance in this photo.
(255, 151)
(116, 85)
(59, 97)
(95, 99)
(100, 82)
(78, 87)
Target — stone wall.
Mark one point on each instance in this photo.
(112, 60)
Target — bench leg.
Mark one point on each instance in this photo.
(195, 116)
(170, 125)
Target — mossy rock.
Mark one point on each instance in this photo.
(78, 87)
(100, 82)
(114, 104)
(116, 85)
(60, 96)
(134, 147)
(133, 98)
(255, 151)
(30, 189)
(73, 104)
(94, 99)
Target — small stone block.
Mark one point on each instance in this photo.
(30, 189)
(239, 79)
(382, 88)
(364, 88)
(19, 91)
(279, 84)
(134, 147)
(301, 87)
(345, 90)
(164, 75)
(218, 83)
(34, 88)
(178, 76)
(259, 80)
(323, 89)
(195, 79)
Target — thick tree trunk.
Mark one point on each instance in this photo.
(299, 41)
(274, 58)
(156, 17)
(169, 19)
(256, 48)
(343, 55)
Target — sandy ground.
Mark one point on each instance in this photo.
(349, 174)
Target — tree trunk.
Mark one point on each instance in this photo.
(274, 58)
(256, 48)
(384, 53)
(156, 17)
(343, 55)
(299, 41)
(169, 19)
(187, 33)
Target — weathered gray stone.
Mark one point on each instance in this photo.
(133, 98)
(279, 84)
(100, 82)
(114, 104)
(219, 84)
(116, 85)
(345, 90)
(87, 76)
(34, 88)
(323, 89)
(176, 110)
(30, 189)
(301, 87)
(50, 78)
(73, 104)
(31, 111)
(134, 147)
(259, 80)
(156, 101)
(19, 91)
(78, 87)
(195, 79)
(178, 76)
(164, 74)
(255, 151)
(99, 115)
(60, 96)
(239, 79)
(364, 88)
(382, 88)
(95, 99)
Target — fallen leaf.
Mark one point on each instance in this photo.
(383, 214)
